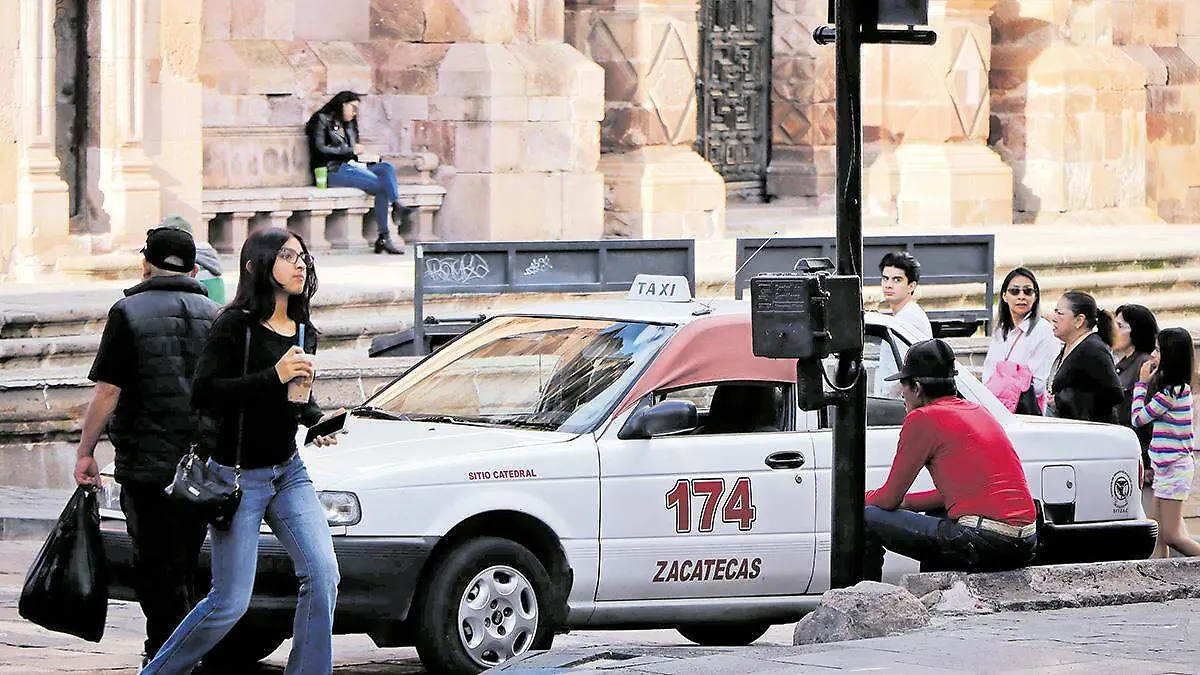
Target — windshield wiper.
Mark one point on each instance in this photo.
(377, 413)
(447, 419)
(529, 421)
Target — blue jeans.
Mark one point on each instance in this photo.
(377, 178)
(284, 495)
(939, 543)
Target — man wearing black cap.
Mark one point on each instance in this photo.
(143, 373)
(985, 514)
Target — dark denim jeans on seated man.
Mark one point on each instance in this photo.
(939, 543)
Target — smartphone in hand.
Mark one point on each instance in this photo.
(334, 423)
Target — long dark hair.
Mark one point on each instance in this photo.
(333, 107)
(257, 285)
(1094, 317)
(1176, 360)
(1004, 320)
(1143, 327)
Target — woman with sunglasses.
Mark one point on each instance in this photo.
(272, 309)
(1022, 337)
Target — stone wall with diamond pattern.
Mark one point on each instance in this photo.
(1080, 109)
(803, 94)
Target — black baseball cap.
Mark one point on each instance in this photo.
(931, 358)
(171, 249)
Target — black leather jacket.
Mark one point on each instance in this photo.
(331, 141)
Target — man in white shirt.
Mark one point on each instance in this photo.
(901, 272)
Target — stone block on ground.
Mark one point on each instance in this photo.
(1059, 586)
(867, 610)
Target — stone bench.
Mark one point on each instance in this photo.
(326, 218)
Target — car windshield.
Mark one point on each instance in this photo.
(533, 372)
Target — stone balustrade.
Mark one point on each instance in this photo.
(326, 218)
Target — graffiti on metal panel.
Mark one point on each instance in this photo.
(456, 269)
(538, 265)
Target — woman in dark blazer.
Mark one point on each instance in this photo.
(1083, 379)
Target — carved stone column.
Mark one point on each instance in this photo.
(803, 105)
(523, 111)
(277, 218)
(337, 229)
(311, 226)
(1189, 37)
(357, 222)
(656, 185)
(236, 229)
(173, 106)
(1069, 112)
(43, 205)
(10, 111)
(929, 108)
(131, 194)
(203, 227)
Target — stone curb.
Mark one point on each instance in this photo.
(1058, 586)
(14, 528)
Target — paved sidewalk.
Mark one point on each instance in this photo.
(30, 513)
(1125, 640)
(343, 272)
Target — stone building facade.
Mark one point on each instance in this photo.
(574, 119)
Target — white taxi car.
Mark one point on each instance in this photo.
(622, 464)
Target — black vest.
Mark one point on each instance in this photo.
(154, 423)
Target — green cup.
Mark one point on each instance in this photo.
(322, 176)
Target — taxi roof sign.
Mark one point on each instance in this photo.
(660, 288)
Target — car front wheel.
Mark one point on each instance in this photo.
(723, 634)
(486, 603)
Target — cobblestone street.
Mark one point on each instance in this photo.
(1124, 640)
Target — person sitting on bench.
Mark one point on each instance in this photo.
(983, 515)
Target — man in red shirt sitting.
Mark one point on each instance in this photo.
(986, 518)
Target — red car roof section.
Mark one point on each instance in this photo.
(712, 349)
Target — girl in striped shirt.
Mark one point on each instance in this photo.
(1165, 379)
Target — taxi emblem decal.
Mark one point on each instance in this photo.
(1120, 487)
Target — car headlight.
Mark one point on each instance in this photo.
(341, 508)
(110, 493)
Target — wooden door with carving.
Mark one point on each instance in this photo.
(734, 92)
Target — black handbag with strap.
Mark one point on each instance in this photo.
(204, 491)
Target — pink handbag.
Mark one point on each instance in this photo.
(1010, 381)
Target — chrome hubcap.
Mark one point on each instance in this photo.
(497, 616)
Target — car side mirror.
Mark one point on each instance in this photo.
(662, 419)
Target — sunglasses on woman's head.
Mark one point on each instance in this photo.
(292, 256)
(1022, 290)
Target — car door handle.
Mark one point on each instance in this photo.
(786, 459)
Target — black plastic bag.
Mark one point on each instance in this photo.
(66, 589)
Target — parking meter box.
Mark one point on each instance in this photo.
(805, 315)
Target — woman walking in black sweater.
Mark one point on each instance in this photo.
(235, 378)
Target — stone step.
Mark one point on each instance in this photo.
(1172, 295)
(80, 350)
(1121, 283)
(47, 404)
